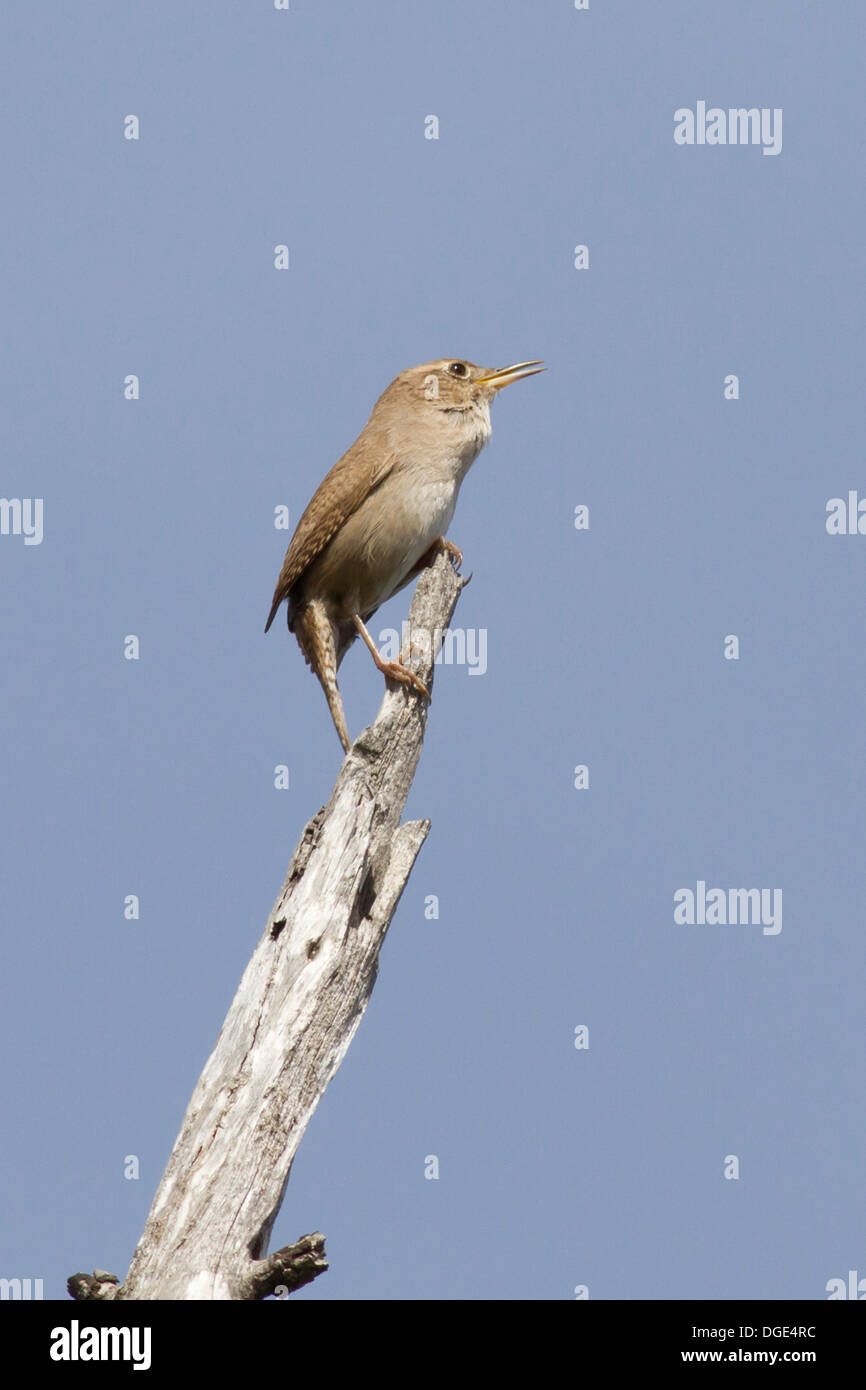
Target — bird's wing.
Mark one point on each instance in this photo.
(338, 495)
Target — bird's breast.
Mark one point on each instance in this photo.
(373, 553)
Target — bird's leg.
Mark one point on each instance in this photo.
(315, 635)
(393, 669)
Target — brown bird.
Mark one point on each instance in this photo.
(382, 512)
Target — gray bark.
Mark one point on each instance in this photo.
(295, 1012)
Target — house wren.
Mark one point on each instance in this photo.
(382, 512)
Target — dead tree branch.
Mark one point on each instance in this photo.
(295, 1012)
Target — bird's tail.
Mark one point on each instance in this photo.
(278, 598)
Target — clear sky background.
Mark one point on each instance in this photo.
(558, 1167)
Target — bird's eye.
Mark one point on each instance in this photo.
(458, 369)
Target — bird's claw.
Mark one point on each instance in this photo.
(396, 671)
(452, 550)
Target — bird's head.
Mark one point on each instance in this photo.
(453, 384)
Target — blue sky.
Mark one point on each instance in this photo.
(558, 1167)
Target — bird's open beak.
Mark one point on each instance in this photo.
(503, 376)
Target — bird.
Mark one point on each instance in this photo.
(380, 515)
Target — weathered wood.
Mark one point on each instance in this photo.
(295, 1012)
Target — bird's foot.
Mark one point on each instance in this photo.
(396, 671)
(450, 549)
(391, 670)
(430, 554)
